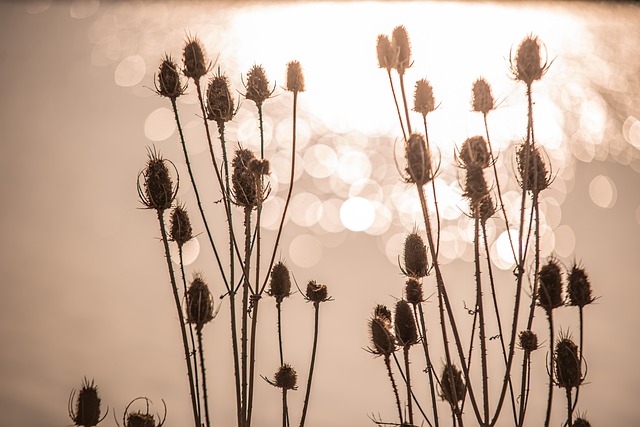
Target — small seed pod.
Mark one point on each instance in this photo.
(413, 291)
(485, 210)
(550, 286)
(382, 340)
(245, 183)
(400, 43)
(295, 78)
(383, 313)
(138, 419)
(528, 64)
(475, 188)
(415, 256)
(220, 104)
(406, 329)
(423, 101)
(387, 57)
(168, 82)
(158, 191)
(259, 166)
(452, 392)
(286, 378)
(87, 408)
(316, 292)
(581, 422)
(181, 231)
(568, 366)
(475, 153)
(418, 160)
(194, 58)
(482, 99)
(579, 288)
(257, 85)
(537, 178)
(199, 303)
(280, 285)
(528, 341)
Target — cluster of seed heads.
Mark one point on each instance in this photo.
(220, 104)
(199, 303)
(168, 81)
(87, 405)
(280, 285)
(418, 160)
(550, 287)
(194, 59)
(181, 231)
(452, 385)
(567, 363)
(317, 292)
(285, 378)
(423, 100)
(157, 191)
(482, 98)
(245, 182)
(532, 168)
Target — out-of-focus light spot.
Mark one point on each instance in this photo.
(195, 137)
(357, 214)
(37, 6)
(565, 241)
(330, 219)
(305, 250)
(284, 133)
(451, 246)
(272, 213)
(451, 204)
(631, 131)
(190, 252)
(603, 191)
(547, 239)
(320, 161)
(394, 247)
(82, 9)
(593, 119)
(353, 165)
(280, 164)
(305, 209)
(368, 189)
(160, 124)
(382, 221)
(130, 71)
(501, 252)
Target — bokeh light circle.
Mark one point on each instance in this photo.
(357, 213)
(603, 191)
(130, 71)
(305, 250)
(160, 124)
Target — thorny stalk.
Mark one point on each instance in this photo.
(480, 308)
(387, 363)
(430, 373)
(245, 310)
(204, 377)
(551, 366)
(316, 307)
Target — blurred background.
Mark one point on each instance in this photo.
(84, 284)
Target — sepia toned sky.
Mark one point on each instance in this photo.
(84, 289)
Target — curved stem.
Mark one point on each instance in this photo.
(255, 300)
(387, 363)
(405, 103)
(395, 100)
(316, 306)
(204, 378)
(551, 366)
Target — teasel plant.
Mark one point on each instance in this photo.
(481, 187)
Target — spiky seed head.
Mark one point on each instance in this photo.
(382, 312)
(387, 56)
(475, 187)
(286, 377)
(220, 104)
(528, 340)
(199, 303)
(295, 78)
(485, 210)
(400, 43)
(195, 59)
(168, 82)
(259, 167)
(482, 98)
(413, 291)
(536, 178)
(245, 183)
(280, 285)
(415, 256)
(528, 64)
(568, 366)
(550, 286)
(158, 190)
(181, 231)
(382, 340)
(579, 288)
(317, 292)
(423, 100)
(87, 409)
(475, 153)
(581, 422)
(138, 419)
(406, 329)
(257, 85)
(418, 160)
(454, 391)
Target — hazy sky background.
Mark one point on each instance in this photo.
(84, 284)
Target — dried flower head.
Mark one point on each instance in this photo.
(415, 256)
(259, 166)
(482, 99)
(199, 303)
(413, 291)
(387, 56)
(87, 405)
(550, 286)
(220, 104)
(280, 285)
(167, 81)
(286, 378)
(383, 313)
(485, 209)
(423, 101)
(181, 231)
(528, 340)
(418, 160)
(245, 183)
(194, 59)
(139, 419)
(295, 78)
(532, 169)
(406, 329)
(383, 342)
(568, 366)
(581, 422)
(528, 65)
(475, 153)
(454, 391)
(400, 43)
(475, 187)
(257, 85)
(157, 190)
(316, 292)
(578, 287)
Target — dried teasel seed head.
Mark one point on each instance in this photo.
(536, 177)
(194, 59)
(199, 303)
(454, 391)
(158, 191)
(245, 183)
(406, 329)
(578, 287)
(482, 99)
(295, 78)
(485, 210)
(528, 63)
(423, 101)
(418, 160)
(550, 286)
(382, 340)
(415, 256)
(220, 104)
(87, 408)
(181, 231)
(475, 153)
(168, 82)
(475, 187)
(257, 85)
(400, 43)
(259, 166)
(280, 285)
(382, 312)
(316, 292)
(387, 56)
(286, 378)
(568, 365)
(528, 340)
(413, 291)
(581, 422)
(138, 419)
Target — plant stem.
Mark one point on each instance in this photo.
(483, 337)
(204, 378)
(316, 306)
(279, 310)
(430, 373)
(405, 103)
(408, 382)
(569, 408)
(395, 100)
(255, 300)
(387, 363)
(245, 310)
(551, 365)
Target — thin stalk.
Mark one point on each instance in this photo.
(524, 386)
(569, 408)
(480, 308)
(408, 381)
(255, 300)
(387, 363)
(425, 346)
(413, 396)
(245, 310)
(395, 100)
(551, 363)
(575, 402)
(279, 310)
(404, 102)
(285, 410)
(204, 378)
(316, 306)
(433, 185)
